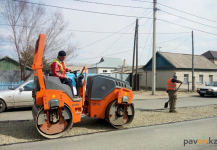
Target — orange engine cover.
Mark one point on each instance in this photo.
(97, 108)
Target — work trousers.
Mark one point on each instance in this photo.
(172, 99)
(68, 82)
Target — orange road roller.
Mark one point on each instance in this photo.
(55, 109)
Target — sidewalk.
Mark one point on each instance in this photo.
(159, 94)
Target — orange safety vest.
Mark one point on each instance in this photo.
(171, 85)
(61, 66)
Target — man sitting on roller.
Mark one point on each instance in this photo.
(59, 69)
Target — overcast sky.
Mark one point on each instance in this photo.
(118, 43)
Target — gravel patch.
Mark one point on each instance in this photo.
(25, 131)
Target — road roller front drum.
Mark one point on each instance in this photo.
(119, 115)
(53, 123)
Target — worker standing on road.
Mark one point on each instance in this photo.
(171, 90)
(59, 69)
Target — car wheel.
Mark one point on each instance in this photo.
(202, 95)
(2, 106)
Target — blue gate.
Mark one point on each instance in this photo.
(6, 85)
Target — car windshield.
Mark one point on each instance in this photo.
(212, 84)
(16, 86)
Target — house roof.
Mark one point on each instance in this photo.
(210, 54)
(7, 57)
(184, 61)
(109, 62)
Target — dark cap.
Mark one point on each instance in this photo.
(175, 77)
(62, 53)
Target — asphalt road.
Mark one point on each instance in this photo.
(165, 137)
(26, 114)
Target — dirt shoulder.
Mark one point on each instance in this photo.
(159, 94)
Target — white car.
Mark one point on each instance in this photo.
(210, 89)
(17, 97)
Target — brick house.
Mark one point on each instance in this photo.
(169, 64)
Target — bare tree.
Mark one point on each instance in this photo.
(1, 51)
(1, 54)
(25, 22)
(1, 40)
(1, 44)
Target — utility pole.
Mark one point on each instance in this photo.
(137, 37)
(154, 47)
(132, 78)
(193, 77)
(123, 65)
(146, 81)
(96, 69)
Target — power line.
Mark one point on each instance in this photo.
(187, 13)
(131, 49)
(142, 1)
(110, 4)
(146, 41)
(171, 40)
(95, 41)
(149, 50)
(187, 27)
(105, 55)
(110, 45)
(147, 20)
(169, 33)
(95, 12)
(86, 31)
(189, 19)
(117, 39)
(180, 44)
(145, 11)
(125, 41)
(105, 37)
(118, 31)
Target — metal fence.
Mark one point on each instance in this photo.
(6, 85)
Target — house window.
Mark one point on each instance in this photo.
(185, 78)
(210, 78)
(104, 70)
(200, 79)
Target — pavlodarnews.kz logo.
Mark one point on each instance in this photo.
(200, 141)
